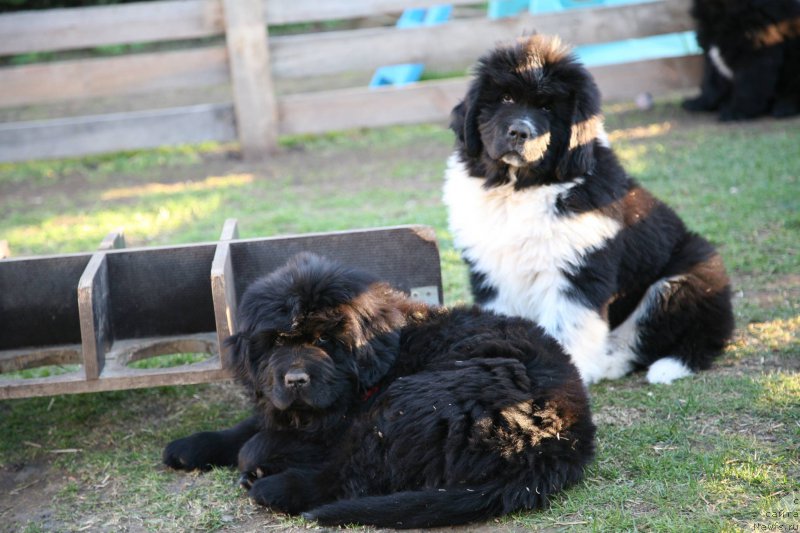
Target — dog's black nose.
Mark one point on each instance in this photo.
(520, 130)
(296, 379)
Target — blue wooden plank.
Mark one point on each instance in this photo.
(653, 47)
(508, 8)
(406, 73)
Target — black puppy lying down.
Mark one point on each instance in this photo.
(374, 409)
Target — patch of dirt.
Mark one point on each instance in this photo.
(608, 415)
(25, 491)
(783, 289)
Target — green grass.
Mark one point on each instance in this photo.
(45, 371)
(715, 452)
(169, 360)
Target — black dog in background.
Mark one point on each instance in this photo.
(752, 57)
(374, 409)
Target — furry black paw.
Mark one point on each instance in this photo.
(276, 493)
(697, 104)
(785, 108)
(200, 451)
(247, 479)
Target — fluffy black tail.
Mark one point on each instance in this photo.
(411, 509)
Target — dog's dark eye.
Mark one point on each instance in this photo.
(279, 339)
(546, 107)
(507, 99)
(322, 340)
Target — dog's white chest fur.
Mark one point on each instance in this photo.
(521, 243)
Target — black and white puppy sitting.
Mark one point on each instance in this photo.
(752, 57)
(554, 230)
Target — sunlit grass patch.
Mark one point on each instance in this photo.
(781, 393)
(779, 335)
(162, 189)
(84, 230)
(44, 371)
(48, 172)
(169, 360)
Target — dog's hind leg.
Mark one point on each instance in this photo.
(626, 338)
(683, 321)
(753, 86)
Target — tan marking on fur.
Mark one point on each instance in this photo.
(585, 132)
(775, 34)
(541, 50)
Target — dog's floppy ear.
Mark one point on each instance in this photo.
(237, 347)
(586, 123)
(464, 122)
(376, 358)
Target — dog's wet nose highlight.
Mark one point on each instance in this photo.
(296, 379)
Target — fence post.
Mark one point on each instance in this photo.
(251, 77)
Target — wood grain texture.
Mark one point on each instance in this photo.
(222, 286)
(114, 76)
(458, 44)
(88, 27)
(95, 134)
(286, 12)
(657, 77)
(432, 101)
(251, 77)
(94, 311)
(365, 107)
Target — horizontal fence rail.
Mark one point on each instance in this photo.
(459, 43)
(250, 62)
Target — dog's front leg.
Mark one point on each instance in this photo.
(271, 452)
(207, 449)
(584, 335)
(292, 491)
(254, 460)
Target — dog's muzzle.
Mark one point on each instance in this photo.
(520, 144)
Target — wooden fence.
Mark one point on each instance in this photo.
(251, 63)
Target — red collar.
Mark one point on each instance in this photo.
(369, 393)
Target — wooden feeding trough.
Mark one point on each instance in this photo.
(107, 309)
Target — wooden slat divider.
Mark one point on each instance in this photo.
(75, 383)
(223, 289)
(113, 241)
(93, 307)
